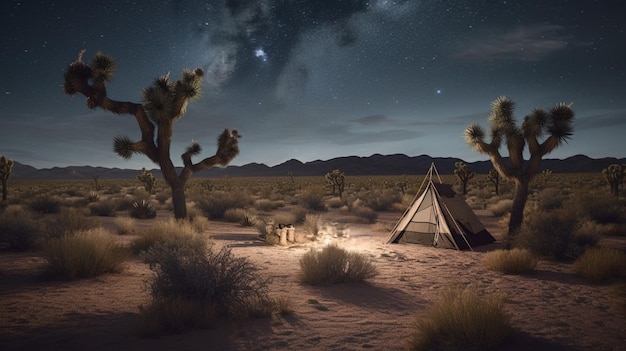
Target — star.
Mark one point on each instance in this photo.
(260, 53)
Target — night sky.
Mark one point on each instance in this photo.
(310, 79)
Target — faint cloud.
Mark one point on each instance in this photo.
(523, 43)
(375, 120)
(601, 120)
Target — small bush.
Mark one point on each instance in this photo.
(601, 209)
(462, 320)
(166, 231)
(214, 277)
(71, 221)
(312, 199)
(365, 214)
(84, 255)
(299, 214)
(550, 199)
(381, 200)
(501, 207)
(549, 234)
(105, 208)
(215, 203)
(45, 204)
(92, 197)
(266, 205)
(515, 261)
(600, 264)
(19, 230)
(335, 265)
(142, 209)
(174, 315)
(125, 225)
(283, 305)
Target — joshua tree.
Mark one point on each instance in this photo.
(614, 175)
(555, 124)
(6, 165)
(147, 179)
(95, 180)
(464, 174)
(494, 177)
(402, 184)
(336, 180)
(164, 103)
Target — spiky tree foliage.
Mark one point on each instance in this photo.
(543, 131)
(164, 103)
(147, 179)
(336, 180)
(6, 166)
(614, 175)
(464, 174)
(494, 177)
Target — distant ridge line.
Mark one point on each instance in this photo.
(395, 164)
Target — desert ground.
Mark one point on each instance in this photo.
(551, 309)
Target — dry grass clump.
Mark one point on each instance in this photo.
(515, 261)
(71, 221)
(19, 229)
(195, 284)
(365, 214)
(501, 207)
(45, 204)
(312, 199)
(86, 254)
(334, 265)
(462, 320)
(550, 234)
(164, 231)
(104, 207)
(214, 204)
(125, 225)
(600, 264)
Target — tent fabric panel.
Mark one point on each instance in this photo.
(410, 237)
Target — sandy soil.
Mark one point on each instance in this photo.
(551, 309)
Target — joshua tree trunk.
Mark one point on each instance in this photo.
(179, 201)
(4, 190)
(519, 203)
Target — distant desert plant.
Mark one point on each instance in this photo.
(142, 209)
(312, 199)
(334, 265)
(380, 200)
(600, 264)
(214, 204)
(514, 261)
(85, 254)
(462, 320)
(70, 221)
(105, 208)
(45, 204)
(19, 229)
(365, 214)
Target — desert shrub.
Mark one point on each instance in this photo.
(501, 207)
(335, 202)
(266, 205)
(601, 209)
(335, 265)
(283, 305)
(299, 214)
(125, 225)
(174, 315)
(142, 209)
(19, 230)
(462, 320)
(600, 264)
(92, 197)
(85, 254)
(381, 200)
(312, 224)
(312, 199)
(105, 208)
(234, 215)
(515, 261)
(215, 203)
(45, 204)
(71, 221)
(167, 231)
(209, 276)
(550, 199)
(549, 234)
(365, 214)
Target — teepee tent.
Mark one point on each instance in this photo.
(441, 218)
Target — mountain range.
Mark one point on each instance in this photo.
(396, 164)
